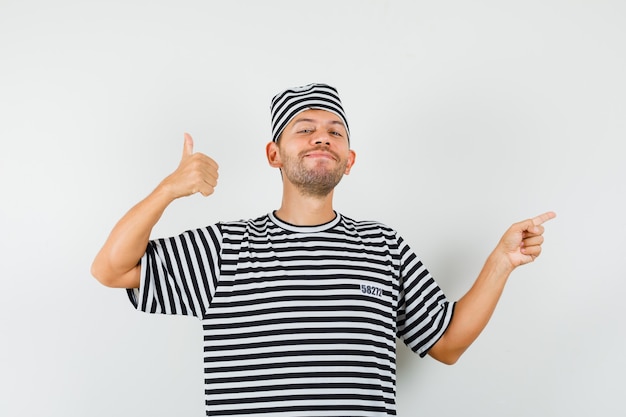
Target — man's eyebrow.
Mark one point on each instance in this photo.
(305, 119)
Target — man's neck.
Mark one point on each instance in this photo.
(304, 210)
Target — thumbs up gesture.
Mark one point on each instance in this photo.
(196, 173)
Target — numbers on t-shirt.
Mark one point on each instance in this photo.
(371, 290)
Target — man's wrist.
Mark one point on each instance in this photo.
(500, 263)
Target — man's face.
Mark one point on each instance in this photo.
(313, 152)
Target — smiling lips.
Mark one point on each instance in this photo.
(320, 154)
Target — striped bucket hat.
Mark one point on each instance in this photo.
(287, 104)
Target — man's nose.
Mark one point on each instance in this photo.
(321, 138)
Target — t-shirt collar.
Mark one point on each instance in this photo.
(304, 229)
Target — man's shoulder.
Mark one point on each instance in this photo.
(367, 225)
(258, 223)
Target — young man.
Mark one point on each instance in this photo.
(301, 307)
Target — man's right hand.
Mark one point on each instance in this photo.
(196, 173)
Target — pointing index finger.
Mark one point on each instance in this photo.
(542, 218)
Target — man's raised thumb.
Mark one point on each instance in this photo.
(188, 146)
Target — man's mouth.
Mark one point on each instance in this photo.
(321, 155)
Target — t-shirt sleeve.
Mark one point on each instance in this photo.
(424, 312)
(179, 275)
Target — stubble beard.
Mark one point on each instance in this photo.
(316, 181)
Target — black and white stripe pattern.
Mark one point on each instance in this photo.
(287, 104)
(298, 321)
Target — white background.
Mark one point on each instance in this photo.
(466, 116)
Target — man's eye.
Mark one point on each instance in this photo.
(305, 131)
(336, 133)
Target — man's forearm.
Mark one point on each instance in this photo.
(116, 265)
(520, 244)
(127, 242)
(473, 311)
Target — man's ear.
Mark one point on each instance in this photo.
(351, 160)
(273, 156)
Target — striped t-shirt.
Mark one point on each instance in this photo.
(297, 321)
